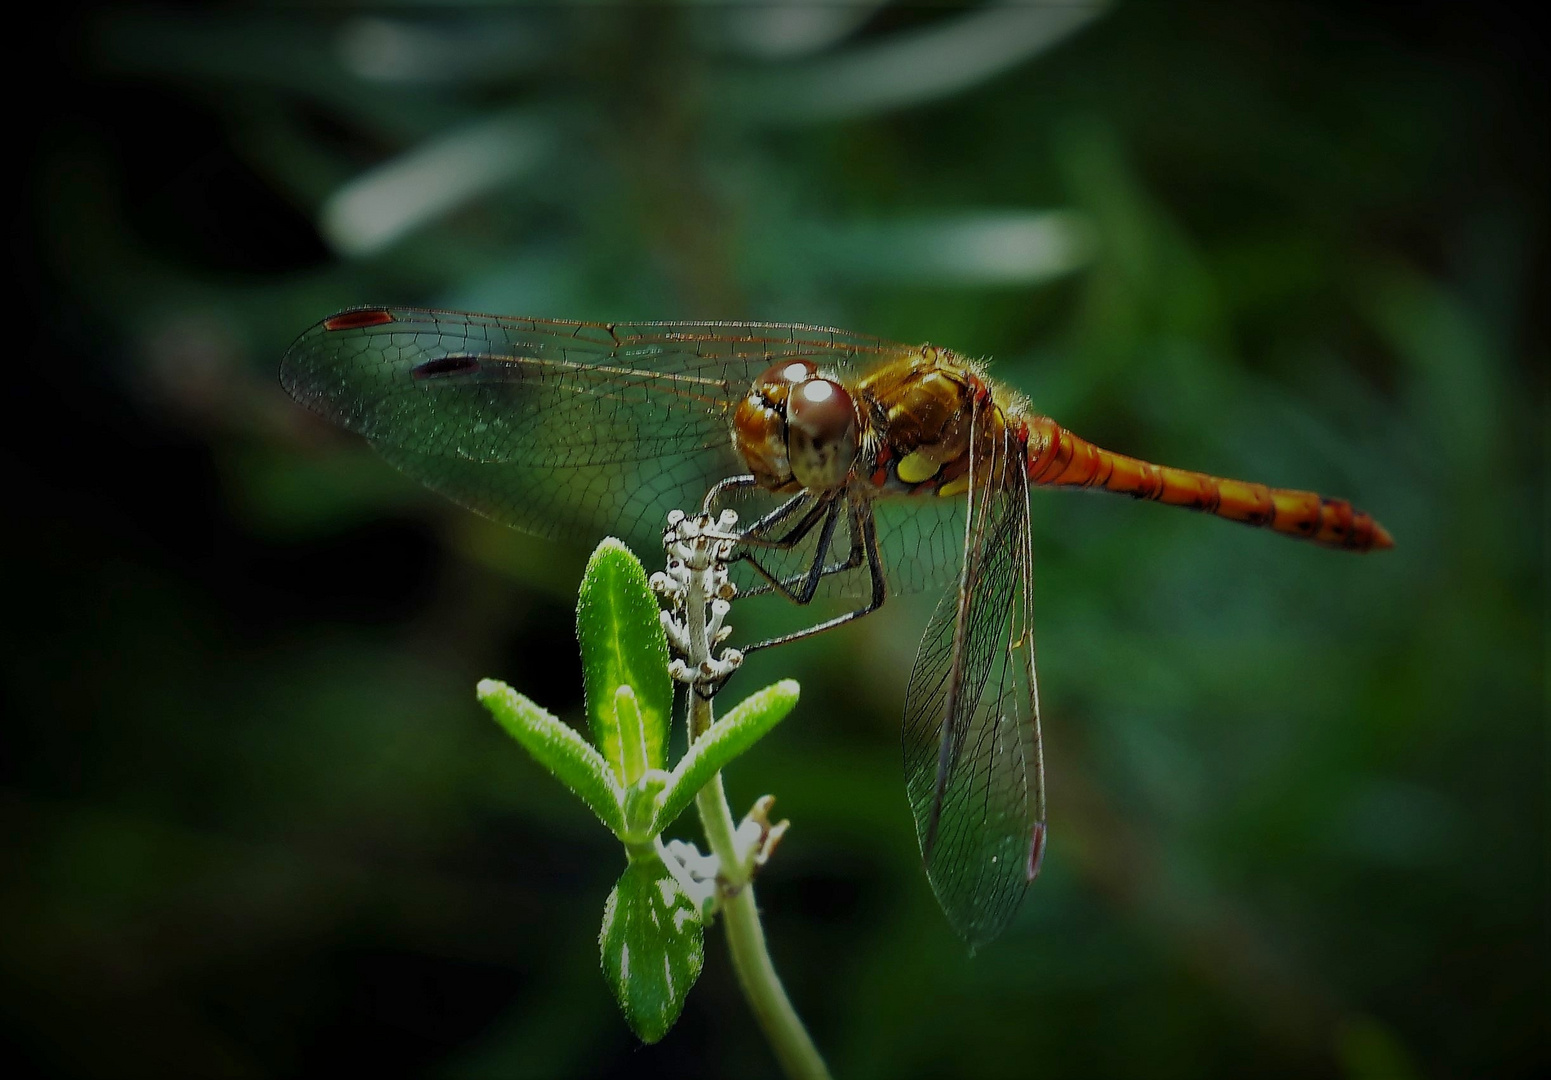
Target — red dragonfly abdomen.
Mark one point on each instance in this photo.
(1058, 458)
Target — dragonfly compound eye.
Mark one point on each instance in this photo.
(759, 434)
(822, 433)
(787, 373)
(759, 425)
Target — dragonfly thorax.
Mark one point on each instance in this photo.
(797, 429)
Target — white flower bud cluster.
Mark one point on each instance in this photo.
(695, 873)
(695, 583)
(700, 876)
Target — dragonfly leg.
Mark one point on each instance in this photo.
(822, 511)
(794, 536)
(725, 484)
(785, 586)
(778, 515)
(808, 580)
(754, 532)
(756, 535)
(861, 523)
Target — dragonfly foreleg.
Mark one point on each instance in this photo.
(785, 586)
(767, 523)
(862, 525)
(726, 484)
(808, 580)
(794, 536)
(757, 534)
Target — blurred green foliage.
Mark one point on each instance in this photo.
(1298, 799)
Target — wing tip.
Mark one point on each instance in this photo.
(1036, 851)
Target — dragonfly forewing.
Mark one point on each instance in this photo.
(556, 428)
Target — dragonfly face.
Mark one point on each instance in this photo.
(573, 429)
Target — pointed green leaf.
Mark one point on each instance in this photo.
(633, 752)
(727, 738)
(651, 946)
(557, 746)
(623, 645)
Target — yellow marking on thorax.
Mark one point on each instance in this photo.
(917, 466)
(954, 487)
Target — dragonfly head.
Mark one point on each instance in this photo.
(797, 429)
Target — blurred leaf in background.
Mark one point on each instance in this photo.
(1298, 800)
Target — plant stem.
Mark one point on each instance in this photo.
(746, 936)
(757, 976)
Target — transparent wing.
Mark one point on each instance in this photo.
(921, 539)
(552, 427)
(973, 771)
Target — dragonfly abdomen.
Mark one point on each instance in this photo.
(1058, 458)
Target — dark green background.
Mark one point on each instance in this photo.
(255, 823)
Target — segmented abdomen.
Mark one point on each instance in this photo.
(1058, 458)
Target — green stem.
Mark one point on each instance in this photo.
(757, 976)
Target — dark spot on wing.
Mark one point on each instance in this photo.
(446, 365)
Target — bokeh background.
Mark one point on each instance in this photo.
(255, 823)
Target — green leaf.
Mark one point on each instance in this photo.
(727, 738)
(651, 946)
(633, 751)
(623, 645)
(557, 747)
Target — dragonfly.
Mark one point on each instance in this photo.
(866, 468)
